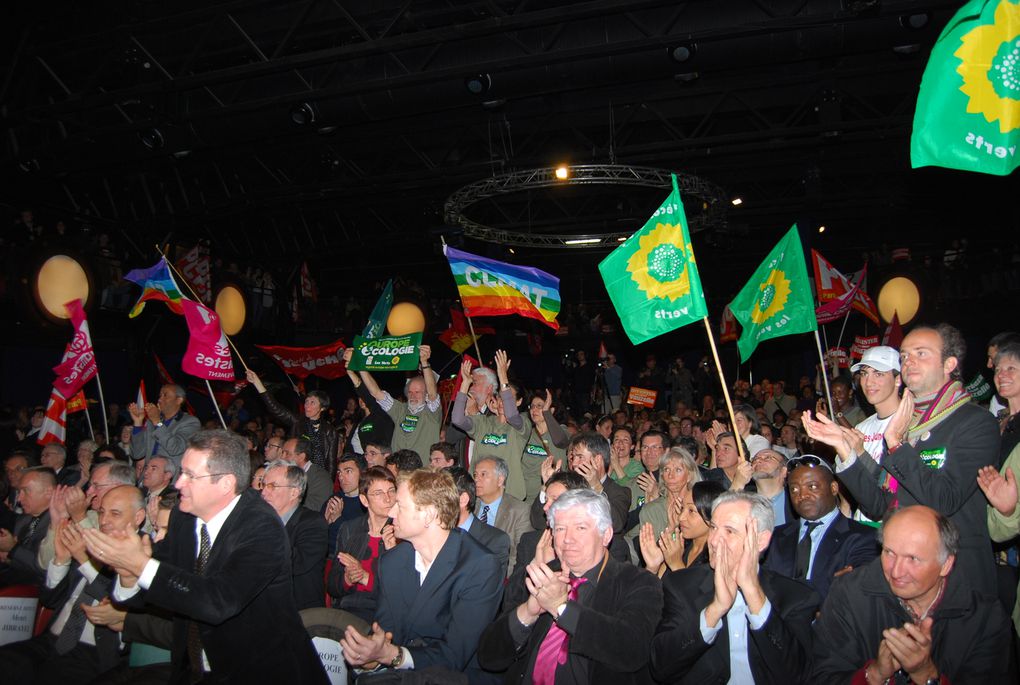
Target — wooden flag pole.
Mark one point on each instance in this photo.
(198, 299)
(726, 391)
(825, 376)
(102, 408)
(474, 337)
(216, 404)
(88, 419)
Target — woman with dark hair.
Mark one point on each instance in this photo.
(694, 514)
(747, 425)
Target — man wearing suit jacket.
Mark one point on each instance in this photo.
(320, 488)
(730, 621)
(437, 590)
(162, 428)
(284, 484)
(495, 540)
(224, 569)
(822, 543)
(71, 649)
(588, 454)
(21, 545)
(598, 612)
(497, 508)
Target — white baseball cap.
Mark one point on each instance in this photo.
(880, 358)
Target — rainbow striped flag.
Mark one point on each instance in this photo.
(157, 284)
(491, 288)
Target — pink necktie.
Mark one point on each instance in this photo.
(553, 650)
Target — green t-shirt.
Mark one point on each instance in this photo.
(493, 438)
(416, 432)
(535, 452)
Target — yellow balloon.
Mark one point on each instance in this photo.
(60, 280)
(405, 318)
(231, 309)
(899, 295)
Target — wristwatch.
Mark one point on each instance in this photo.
(398, 659)
(839, 415)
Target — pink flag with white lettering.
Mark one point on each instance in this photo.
(79, 364)
(208, 354)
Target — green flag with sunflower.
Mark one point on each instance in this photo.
(968, 109)
(777, 300)
(652, 278)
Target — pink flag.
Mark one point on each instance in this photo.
(837, 308)
(208, 354)
(79, 364)
(195, 267)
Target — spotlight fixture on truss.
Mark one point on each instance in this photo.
(711, 200)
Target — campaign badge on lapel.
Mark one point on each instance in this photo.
(934, 458)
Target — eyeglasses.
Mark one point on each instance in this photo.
(383, 493)
(94, 484)
(272, 446)
(808, 460)
(275, 486)
(191, 476)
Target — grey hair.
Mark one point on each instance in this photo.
(489, 374)
(170, 467)
(58, 447)
(594, 503)
(761, 508)
(1008, 350)
(179, 391)
(118, 471)
(92, 445)
(681, 455)
(949, 534)
(295, 475)
(500, 465)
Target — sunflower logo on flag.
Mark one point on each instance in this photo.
(774, 293)
(659, 265)
(990, 68)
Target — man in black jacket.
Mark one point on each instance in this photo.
(909, 617)
(730, 621)
(224, 569)
(587, 618)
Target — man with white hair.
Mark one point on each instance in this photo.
(162, 428)
(417, 421)
(730, 620)
(588, 617)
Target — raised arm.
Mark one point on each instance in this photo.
(431, 392)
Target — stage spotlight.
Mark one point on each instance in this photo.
(563, 172)
(737, 201)
(231, 309)
(901, 296)
(478, 84)
(60, 280)
(152, 138)
(683, 52)
(303, 114)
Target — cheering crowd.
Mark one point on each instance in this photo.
(550, 535)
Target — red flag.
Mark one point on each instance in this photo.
(208, 354)
(728, 326)
(79, 364)
(837, 308)
(831, 284)
(77, 403)
(458, 336)
(325, 361)
(862, 344)
(54, 425)
(194, 266)
(308, 290)
(474, 362)
(603, 352)
(894, 333)
(226, 392)
(140, 398)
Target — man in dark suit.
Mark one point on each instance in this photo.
(20, 546)
(283, 486)
(495, 506)
(437, 590)
(224, 569)
(730, 621)
(823, 544)
(495, 540)
(320, 487)
(588, 454)
(71, 649)
(597, 612)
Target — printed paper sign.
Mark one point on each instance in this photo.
(393, 353)
(642, 397)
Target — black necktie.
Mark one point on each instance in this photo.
(194, 637)
(71, 634)
(484, 518)
(803, 559)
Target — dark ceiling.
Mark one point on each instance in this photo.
(802, 108)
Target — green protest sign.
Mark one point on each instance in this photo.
(394, 353)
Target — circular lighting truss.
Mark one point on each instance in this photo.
(712, 198)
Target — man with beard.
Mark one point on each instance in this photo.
(770, 478)
(416, 421)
